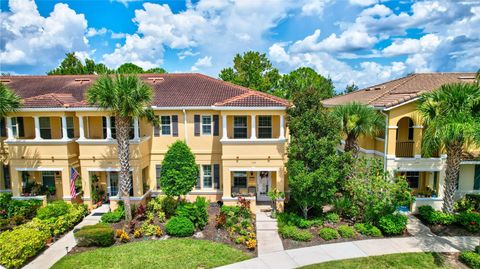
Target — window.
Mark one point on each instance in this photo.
(17, 127)
(3, 127)
(413, 179)
(48, 179)
(70, 130)
(6, 177)
(476, 178)
(240, 179)
(158, 175)
(113, 183)
(166, 125)
(410, 129)
(45, 131)
(207, 125)
(264, 126)
(207, 176)
(240, 127)
(113, 127)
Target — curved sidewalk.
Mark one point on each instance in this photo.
(294, 258)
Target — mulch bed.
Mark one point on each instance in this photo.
(317, 240)
(450, 230)
(210, 233)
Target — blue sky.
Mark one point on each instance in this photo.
(360, 41)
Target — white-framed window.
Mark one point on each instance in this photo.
(206, 124)
(264, 126)
(240, 127)
(158, 175)
(70, 129)
(17, 127)
(165, 125)
(207, 177)
(45, 130)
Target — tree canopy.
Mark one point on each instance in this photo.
(301, 79)
(9, 101)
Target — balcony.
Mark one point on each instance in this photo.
(404, 149)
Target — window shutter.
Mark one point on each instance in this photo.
(197, 125)
(476, 179)
(3, 128)
(156, 130)
(158, 171)
(174, 125)
(215, 125)
(21, 129)
(198, 177)
(216, 176)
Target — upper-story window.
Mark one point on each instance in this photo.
(207, 176)
(3, 128)
(410, 129)
(17, 127)
(112, 127)
(240, 127)
(70, 129)
(206, 125)
(264, 126)
(166, 125)
(45, 130)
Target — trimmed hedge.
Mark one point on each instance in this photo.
(346, 231)
(393, 224)
(333, 217)
(367, 229)
(431, 216)
(53, 210)
(21, 244)
(99, 235)
(469, 220)
(180, 227)
(115, 216)
(292, 219)
(292, 232)
(328, 234)
(471, 259)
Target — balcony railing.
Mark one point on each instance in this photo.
(404, 149)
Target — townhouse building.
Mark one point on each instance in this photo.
(238, 136)
(400, 145)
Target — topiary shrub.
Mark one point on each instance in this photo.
(346, 231)
(367, 229)
(100, 235)
(393, 224)
(333, 218)
(292, 232)
(328, 234)
(19, 245)
(469, 220)
(180, 227)
(428, 214)
(471, 259)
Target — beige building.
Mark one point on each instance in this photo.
(400, 145)
(238, 136)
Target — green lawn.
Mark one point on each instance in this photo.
(172, 253)
(397, 261)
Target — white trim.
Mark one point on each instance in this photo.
(107, 169)
(87, 141)
(428, 199)
(39, 169)
(380, 139)
(253, 141)
(401, 104)
(254, 169)
(38, 141)
(70, 109)
(193, 192)
(132, 198)
(417, 126)
(211, 124)
(413, 169)
(392, 127)
(470, 162)
(38, 197)
(228, 199)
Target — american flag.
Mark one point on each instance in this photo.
(73, 176)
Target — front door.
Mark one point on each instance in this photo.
(264, 184)
(112, 188)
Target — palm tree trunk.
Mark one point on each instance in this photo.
(351, 145)
(123, 133)
(454, 157)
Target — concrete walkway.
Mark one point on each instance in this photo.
(268, 240)
(59, 249)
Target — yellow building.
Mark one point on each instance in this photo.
(400, 144)
(237, 135)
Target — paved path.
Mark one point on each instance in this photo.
(422, 241)
(268, 240)
(59, 249)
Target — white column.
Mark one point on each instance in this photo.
(36, 119)
(109, 128)
(224, 127)
(282, 127)
(80, 127)
(64, 128)
(136, 132)
(253, 132)
(9, 128)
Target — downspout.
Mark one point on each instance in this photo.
(185, 125)
(385, 141)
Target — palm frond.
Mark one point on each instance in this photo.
(357, 119)
(9, 101)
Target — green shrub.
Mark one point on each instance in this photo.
(53, 210)
(148, 229)
(163, 203)
(332, 217)
(425, 211)
(431, 216)
(292, 232)
(471, 259)
(180, 227)
(115, 216)
(100, 235)
(393, 224)
(328, 234)
(196, 212)
(19, 245)
(346, 231)
(292, 219)
(470, 202)
(367, 229)
(469, 220)
(10, 208)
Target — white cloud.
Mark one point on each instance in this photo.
(29, 39)
(315, 7)
(426, 44)
(363, 2)
(186, 53)
(91, 32)
(202, 62)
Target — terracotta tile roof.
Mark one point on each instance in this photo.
(170, 90)
(400, 90)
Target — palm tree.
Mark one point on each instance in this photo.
(9, 102)
(357, 119)
(126, 97)
(452, 122)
